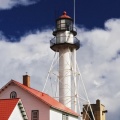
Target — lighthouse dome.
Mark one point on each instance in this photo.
(64, 15)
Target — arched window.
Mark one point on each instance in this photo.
(13, 94)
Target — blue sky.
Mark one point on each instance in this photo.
(17, 18)
(26, 29)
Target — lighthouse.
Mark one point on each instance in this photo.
(66, 44)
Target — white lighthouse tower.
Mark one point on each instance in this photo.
(66, 44)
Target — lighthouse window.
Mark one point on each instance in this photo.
(58, 22)
(61, 25)
(69, 25)
(64, 24)
(13, 94)
(62, 21)
(58, 25)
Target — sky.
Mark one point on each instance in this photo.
(26, 28)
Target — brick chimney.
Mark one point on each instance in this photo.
(26, 80)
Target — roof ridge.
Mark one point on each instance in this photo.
(30, 88)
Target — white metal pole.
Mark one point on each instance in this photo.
(74, 84)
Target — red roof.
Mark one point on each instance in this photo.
(65, 15)
(45, 98)
(6, 107)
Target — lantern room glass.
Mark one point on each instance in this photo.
(65, 24)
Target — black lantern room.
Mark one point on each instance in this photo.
(64, 23)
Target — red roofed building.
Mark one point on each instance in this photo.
(12, 109)
(38, 105)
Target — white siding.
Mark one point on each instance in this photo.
(72, 118)
(16, 114)
(55, 115)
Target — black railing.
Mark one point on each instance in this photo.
(75, 42)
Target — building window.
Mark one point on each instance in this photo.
(13, 94)
(64, 117)
(35, 115)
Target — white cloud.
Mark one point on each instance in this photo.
(98, 59)
(32, 54)
(8, 4)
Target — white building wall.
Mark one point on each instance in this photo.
(16, 114)
(29, 101)
(72, 118)
(55, 115)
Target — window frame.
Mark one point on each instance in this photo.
(13, 95)
(64, 24)
(32, 116)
